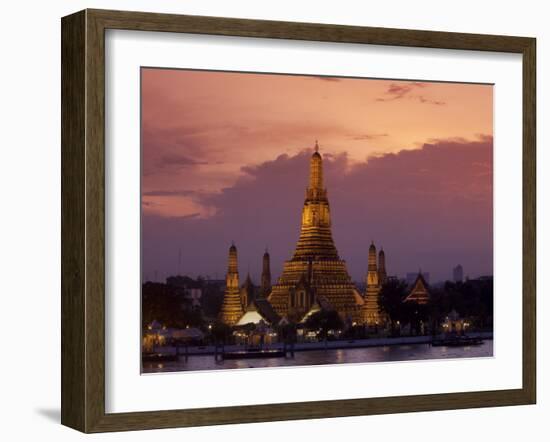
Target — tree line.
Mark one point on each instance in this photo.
(472, 300)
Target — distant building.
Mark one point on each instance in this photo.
(194, 295)
(458, 274)
(411, 277)
(191, 289)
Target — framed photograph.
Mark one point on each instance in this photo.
(271, 220)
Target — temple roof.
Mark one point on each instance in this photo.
(266, 310)
(419, 291)
(259, 309)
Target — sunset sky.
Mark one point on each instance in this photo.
(225, 157)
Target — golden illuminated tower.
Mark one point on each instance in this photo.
(265, 288)
(371, 308)
(232, 308)
(382, 275)
(315, 272)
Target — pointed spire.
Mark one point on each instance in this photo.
(232, 262)
(316, 170)
(382, 275)
(266, 276)
(372, 258)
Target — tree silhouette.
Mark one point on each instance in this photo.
(392, 295)
(324, 321)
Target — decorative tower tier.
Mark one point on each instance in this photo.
(371, 308)
(232, 307)
(315, 270)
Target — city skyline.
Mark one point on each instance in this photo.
(428, 203)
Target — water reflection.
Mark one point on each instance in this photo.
(335, 356)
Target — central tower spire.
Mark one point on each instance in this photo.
(298, 288)
(316, 170)
(315, 240)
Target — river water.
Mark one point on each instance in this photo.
(393, 353)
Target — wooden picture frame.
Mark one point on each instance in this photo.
(83, 220)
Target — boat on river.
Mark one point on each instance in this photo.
(254, 353)
(456, 341)
(159, 357)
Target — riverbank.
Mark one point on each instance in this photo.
(310, 346)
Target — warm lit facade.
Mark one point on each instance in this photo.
(315, 271)
(232, 307)
(375, 271)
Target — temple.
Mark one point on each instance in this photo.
(315, 278)
(315, 274)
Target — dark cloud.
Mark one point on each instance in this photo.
(405, 90)
(428, 208)
(161, 147)
(397, 91)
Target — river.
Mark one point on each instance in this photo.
(389, 353)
